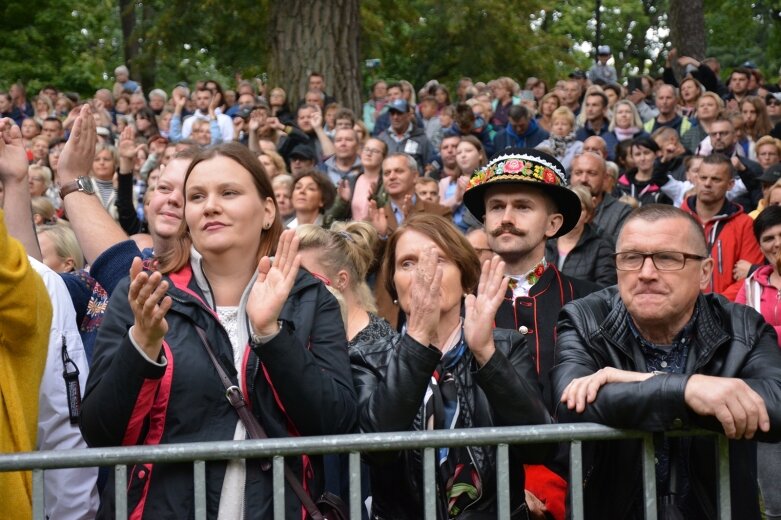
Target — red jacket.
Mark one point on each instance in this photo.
(730, 238)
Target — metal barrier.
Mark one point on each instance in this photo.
(277, 449)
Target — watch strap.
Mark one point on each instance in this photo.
(74, 185)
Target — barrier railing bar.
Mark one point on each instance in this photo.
(288, 446)
(649, 477)
(39, 512)
(278, 476)
(355, 485)
(199, 488)
(120, 491)
(725, 498)
(576, 479)
(429, 484)
(503, 482)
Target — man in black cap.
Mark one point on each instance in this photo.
(522, 198)
(302, 158)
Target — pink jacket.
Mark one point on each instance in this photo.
(757, 293)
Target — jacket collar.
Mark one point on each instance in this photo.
(709, 333)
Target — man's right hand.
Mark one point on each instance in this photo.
(378, 218)
(76, 157)
(127, 149)
(636, 96)
(738, 408)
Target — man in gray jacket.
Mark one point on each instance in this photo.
(589, 169)
(403, 136)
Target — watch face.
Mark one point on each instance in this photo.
(85, 185)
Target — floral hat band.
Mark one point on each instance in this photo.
(524, 166)
(521, 167)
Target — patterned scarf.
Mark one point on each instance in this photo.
(560, 144)
(443, 411)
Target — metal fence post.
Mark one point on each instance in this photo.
(120, 491)
(576, 479)
(725, 496)
(429, 484)
(355, 485)
(503, 482)
(278, 476)
(649, 476)
(39, 511)
(199, 488)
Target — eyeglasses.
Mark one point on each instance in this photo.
(662, 260)
(371, 151)
(720, 133)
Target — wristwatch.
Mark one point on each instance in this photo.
(82, 184)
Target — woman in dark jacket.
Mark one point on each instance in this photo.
(445, 372)
(638, 182)
(583, 252)
(276, 331)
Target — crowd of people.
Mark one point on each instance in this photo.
(584, 251)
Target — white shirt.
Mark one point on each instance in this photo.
(225, 123)
(69, 494)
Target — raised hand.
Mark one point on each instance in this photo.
(149, 304)
(739, 409)
(317, 118)
(273, 284)
(214, 103)
(378, 218)
(180, 100)
(481, 309)
(424, 304)
(76, 157)
(344, 190)
(13, 158)
(127, 149)
(406, 206)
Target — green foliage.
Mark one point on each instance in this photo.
(63, 43)
(77, 44)
(444, 40)
(740, 31)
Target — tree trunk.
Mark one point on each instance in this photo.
(316, 36)
(147, 62)
(687, 28)
(127, 19)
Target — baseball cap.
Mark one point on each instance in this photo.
(398, 105)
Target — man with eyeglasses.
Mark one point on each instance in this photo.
(656, 354)
(724, 140)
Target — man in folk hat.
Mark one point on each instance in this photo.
(522, 198)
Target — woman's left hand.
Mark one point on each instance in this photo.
(273, 284)
(481, 309)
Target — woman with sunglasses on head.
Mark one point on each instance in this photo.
(217, 301)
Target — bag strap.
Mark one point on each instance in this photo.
(254, 428)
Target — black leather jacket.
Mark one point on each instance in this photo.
(391, 378)
(730, 340)
(297, 383)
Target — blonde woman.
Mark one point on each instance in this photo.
(342, 258)
(562, 141)
(59, 248)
